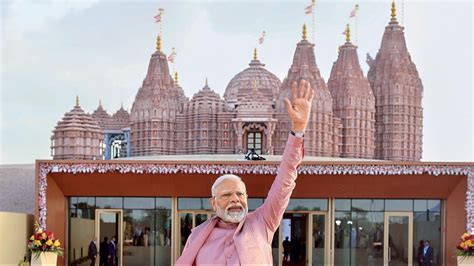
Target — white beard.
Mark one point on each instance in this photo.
(232, 217)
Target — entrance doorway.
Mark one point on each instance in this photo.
(303, 239)
(109, 224)
(294, 234)
(398, 239)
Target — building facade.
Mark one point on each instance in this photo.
(342, 212)
(378, 117)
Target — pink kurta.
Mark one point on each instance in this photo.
(251, 241)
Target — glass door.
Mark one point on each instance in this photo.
(187, 221)
(398, 239)
(319, 242)
(303, 239)
(109, 235)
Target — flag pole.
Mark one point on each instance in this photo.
(174, 59)
(403, 13)
(313, 3)
(356, 23)
(162, 11)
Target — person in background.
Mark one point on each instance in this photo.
(427, 254)
(104, 252)
(92, 252)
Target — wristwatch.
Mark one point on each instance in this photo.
(298, 134)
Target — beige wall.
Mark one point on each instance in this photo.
(15, 229)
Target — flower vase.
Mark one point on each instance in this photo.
(45, 258)
(465, 260)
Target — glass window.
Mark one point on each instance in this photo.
(307, 205)
(72, 202)
(398, 205)
(254, 203)
(426, 226)
(342, 251)
(366, 238)
(434, 205)
(420, 205)
(163, 203)
(254, 141)
(194, 204)
(343, 205)
(85, 202)
(139, 237)
(163, 237)
(109, 203)
(367, 205)
(81, 229)
(139, 203)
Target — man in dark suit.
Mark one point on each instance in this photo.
(112, 252)
(104, 252)
(92, 251)
(427, 254)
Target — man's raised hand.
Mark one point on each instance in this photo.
(299, 108)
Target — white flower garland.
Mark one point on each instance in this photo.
(150, 168)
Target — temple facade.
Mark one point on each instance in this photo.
(354, 116)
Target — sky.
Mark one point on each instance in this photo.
(52, 51)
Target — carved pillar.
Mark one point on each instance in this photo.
(270, 129)
(239, 131)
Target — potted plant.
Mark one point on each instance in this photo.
(43, 247)
(465, 250)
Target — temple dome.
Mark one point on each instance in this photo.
(242, 84)
(77, 136)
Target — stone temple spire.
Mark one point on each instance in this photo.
(354, 103)
(77, 136)
(323, 129)
(155, 106)
(398, 93)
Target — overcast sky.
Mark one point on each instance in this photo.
(52, 51)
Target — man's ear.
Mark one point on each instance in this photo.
(212, 200)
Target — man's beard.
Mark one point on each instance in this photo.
(232, 217)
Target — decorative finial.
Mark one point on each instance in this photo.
(304, 31)
(121, 105)
(394, 10)
(206, 83)
(254, 53)
(158, 43)
(348, 33)
(77, 100)
(176, 77)
(100, 102)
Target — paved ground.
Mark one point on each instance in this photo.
(17, 188)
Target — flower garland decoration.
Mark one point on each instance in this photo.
(269, 169)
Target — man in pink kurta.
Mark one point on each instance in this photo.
(230, 240)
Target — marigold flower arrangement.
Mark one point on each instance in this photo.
(466, 246)
(43, 241)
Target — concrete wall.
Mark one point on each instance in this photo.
(15, 229)
(17, 188)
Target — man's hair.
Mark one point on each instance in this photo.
(220, 179)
